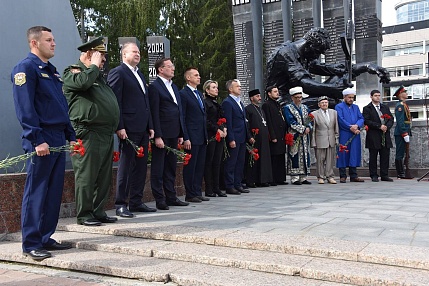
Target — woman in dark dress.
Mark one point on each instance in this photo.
(214, 152)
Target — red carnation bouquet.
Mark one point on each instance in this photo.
(383, 136)
(343, 148)
(76, 148)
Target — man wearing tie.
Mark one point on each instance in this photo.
(379, 120)
(324, 138)
(135, 123)
(166, 112)
(235, 116)
(194, 135)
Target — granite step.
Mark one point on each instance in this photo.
(188, 263)
(156, 270)
(324, 247)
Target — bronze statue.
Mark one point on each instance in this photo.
(293, 64)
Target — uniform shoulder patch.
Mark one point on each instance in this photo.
(19, 78)
(399, 108)
(75, 70)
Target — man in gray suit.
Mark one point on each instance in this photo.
(323, 140)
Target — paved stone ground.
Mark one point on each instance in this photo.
(389, 213)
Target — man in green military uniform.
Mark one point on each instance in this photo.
(402, 130)
(94, 113)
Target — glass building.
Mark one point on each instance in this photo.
(412, 11)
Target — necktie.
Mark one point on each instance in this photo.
(379, 113)
(199, 98)
(325, 113)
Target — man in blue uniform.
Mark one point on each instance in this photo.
(402, 130)
(37, 87)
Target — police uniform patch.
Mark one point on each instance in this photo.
(45, 75)
(20, 78)
(399, 109)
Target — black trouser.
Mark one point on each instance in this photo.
(214, 156)
(278, 164)
(384, 162)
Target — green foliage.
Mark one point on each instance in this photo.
(200, 32)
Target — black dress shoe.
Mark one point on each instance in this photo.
(232, 191)
(204, 199)
(282, 183)
(38, 254)
(177, 203)
(242, 190)
(251, 185)
(298, 183)
(91, 222)
(162, 206)
(193, 200)
(305, 182)
(220, 194)
(212, 195)
(124, 212)
(386, 179)
(374, 179)
(264, 185)
(143, 209)
(108, 219)
(58, 246)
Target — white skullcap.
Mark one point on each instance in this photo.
(349, 91)
(296, 90)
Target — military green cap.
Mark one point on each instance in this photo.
(95, 44)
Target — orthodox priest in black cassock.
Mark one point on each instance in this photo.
(259, 173)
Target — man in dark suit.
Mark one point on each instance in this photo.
(166, 112)
(135, 123)
(277, 128)
(235, 116)
(379, 120)
(194, 135)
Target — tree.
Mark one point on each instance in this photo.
(201, 35)
(200, 31)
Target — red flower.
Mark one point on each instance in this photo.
(343, 148)
(311, 116)
(289, 139)
(255, 150)
(140, 152)
(386, 116)
(116, 155)
(78, 148)
(180, 147)
(255, 156)
(186, 159)
(255, 131)
(366, 127)
(218, 138)
(221, 121)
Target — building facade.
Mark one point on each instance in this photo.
(406, 54)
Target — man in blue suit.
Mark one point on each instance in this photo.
(167, 121)
(135, 123)
(194, 135)
(235, 116)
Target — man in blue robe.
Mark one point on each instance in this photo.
(351, 122)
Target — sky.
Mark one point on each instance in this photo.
(388, 13)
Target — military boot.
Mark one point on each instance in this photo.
(399, 169)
